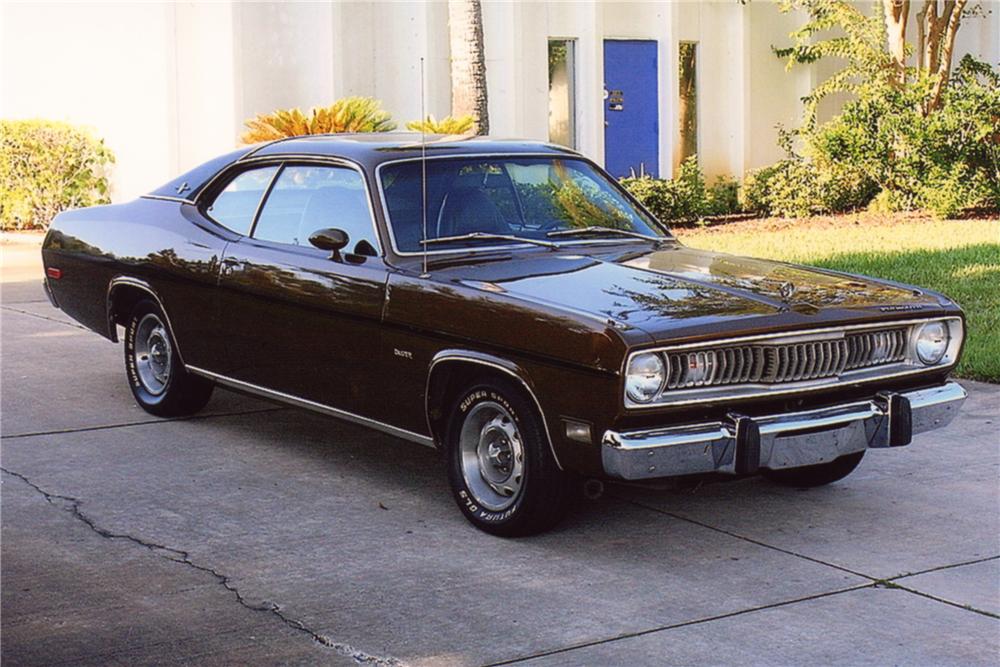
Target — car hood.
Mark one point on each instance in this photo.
(678, 291)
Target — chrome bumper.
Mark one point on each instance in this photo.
(742, 444)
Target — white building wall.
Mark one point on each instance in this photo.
(169, 85)
(284, 55)
(207, 92)
(108, 67)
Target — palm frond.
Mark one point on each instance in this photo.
(447, 125)
(350, 114)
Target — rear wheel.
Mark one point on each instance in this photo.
(817, 475)
(156, 376)
(502, 472)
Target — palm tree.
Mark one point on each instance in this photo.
(468, 62)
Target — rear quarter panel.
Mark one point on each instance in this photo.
(147, 239)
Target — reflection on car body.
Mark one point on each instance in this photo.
(508, 303)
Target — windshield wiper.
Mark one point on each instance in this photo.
(486, 236)
(597, 229)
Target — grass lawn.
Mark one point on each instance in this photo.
(959, 258)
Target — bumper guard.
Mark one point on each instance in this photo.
(742, 444)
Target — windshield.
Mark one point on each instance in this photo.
(544, 199)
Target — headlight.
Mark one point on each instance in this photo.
(644, 377)
(932, 342)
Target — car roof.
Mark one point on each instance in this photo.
(371, 149)
(368, 149)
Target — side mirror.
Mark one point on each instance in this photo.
(330, 239)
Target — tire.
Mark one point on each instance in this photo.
(817, 475)
(512, 487)
(153, 366)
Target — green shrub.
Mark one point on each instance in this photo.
(723, 198)
(886, 151)
(47, 167)
(755, 195)
(685, 197)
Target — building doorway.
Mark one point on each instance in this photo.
(562, 92)
(631, 108)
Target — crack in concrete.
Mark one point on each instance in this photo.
(944, 567)
(891, 584)
(788, 552)
(887, 582)
(674, 626)
(876, 580)
(72, 505)
(145, 422)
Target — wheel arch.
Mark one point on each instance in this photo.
(123, 293)
(451, 368)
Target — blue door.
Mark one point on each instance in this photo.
(631, 108)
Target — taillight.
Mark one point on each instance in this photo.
(53, 272)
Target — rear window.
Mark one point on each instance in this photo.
(190, 183)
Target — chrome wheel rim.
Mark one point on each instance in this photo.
(153, 354)
(492, 456)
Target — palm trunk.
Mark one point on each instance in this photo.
(468, 63)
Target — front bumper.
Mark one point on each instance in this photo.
(742, 444)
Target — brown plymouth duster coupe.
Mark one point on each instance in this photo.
(508, 303)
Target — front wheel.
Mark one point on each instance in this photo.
(817, 475)
(160, 384)
(502, 472)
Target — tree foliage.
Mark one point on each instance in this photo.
(857, 39)
(909, 137)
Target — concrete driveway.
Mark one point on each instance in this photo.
(255, 534)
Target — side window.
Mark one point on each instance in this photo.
(234, 207)
(307, 198)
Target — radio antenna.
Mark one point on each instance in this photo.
(423, 169)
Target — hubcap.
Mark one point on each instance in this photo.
(492, 456)
(153, 354)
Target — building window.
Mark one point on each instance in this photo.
(562, 92)
(687, 99)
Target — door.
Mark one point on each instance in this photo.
(631, 108)
(294, 318)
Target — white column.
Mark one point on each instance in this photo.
(590, 73)
(205, 82)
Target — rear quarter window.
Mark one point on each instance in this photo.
(235, 206)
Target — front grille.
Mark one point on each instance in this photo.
(775, 363)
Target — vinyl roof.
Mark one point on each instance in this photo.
(382, 146)
(369, 150)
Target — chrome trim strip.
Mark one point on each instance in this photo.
(731, 391)
(885, 324)
(455, 356)
(312, 405)
(787, 440)
(517, 246)
(179, 200)
(143, 285)
(260, 202)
